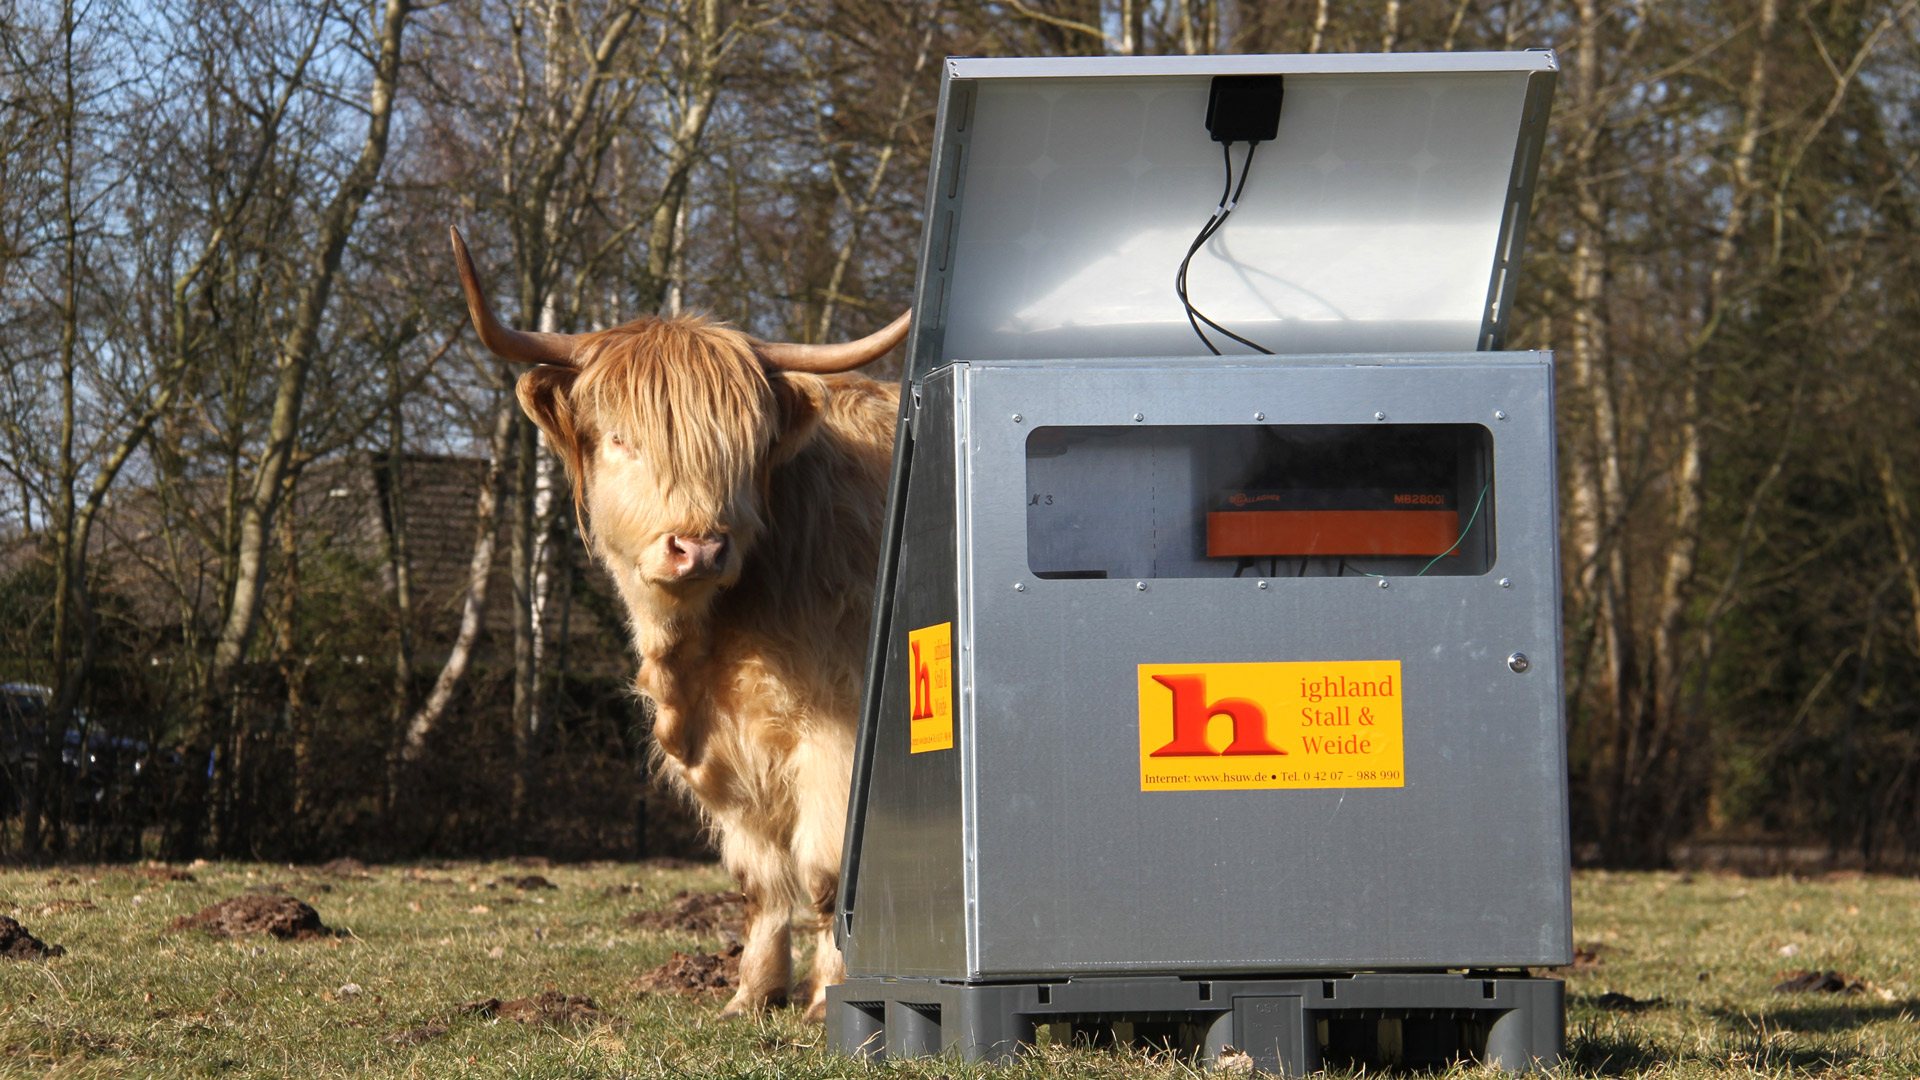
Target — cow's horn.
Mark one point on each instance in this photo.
(827, 359)
(520, 346)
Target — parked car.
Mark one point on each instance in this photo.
(98, 764)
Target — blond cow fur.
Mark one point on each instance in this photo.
(676, 427)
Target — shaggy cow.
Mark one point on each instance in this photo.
(736, 498)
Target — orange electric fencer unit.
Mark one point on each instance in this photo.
(1252, 524)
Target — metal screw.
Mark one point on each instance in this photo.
(1263, 584)
(1139, 416)
(1017, 418)
(1499, 414)
(1019, 586)
(1259, 416)
(1519, 663)
(1383, 583)
(1141, 585)
(1506, 583)
(1379, 416)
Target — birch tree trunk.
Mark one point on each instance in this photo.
(295, 361)
(1660, 713)
(858, 210)
(1900, 526)
(699, 87)
(473, 605)
(399, 562)
(1596, 484)
(42, 796)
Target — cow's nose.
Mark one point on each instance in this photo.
(695, 556)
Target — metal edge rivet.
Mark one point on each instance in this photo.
(1259, 416)
(1139, 416)
(1017, 418)
(1519, 663)
(1019, 586)
(1263, 584)
(1140, 585)
(1379, 416)
(1499, 414)
(1383, 583)
(1506, 583)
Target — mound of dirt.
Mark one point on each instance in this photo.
(281, 916)
(425, 1033)
(696, 913)
(527, 883)
(346, 867)
(17, 943)
(1821, 982)
(160, 873)
(550, 1007)
(694, 973)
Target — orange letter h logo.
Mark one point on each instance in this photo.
(1192, 710)
(922, 686)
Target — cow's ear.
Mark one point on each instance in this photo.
(545, 395)
(802, 401)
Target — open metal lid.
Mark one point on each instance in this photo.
(1385, 217)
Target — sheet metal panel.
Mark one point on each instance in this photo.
(909, 894)
(1080, 871)
(1124, 164)
(1031, 67)
(1370, 224)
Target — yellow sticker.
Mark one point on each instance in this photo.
(930, 648)
(1215, 727)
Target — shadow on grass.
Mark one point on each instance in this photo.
(1840, 1014)
(1758, 1055)
(1593, 1054)
(1611, 1002)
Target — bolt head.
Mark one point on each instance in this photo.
(1383, 583)
(1506, 583)
(1499, 414)
(1140, 585)
(1139, 416)
(1017, 418)
(1259, 416)
(1379, 416)
(1019, 586)
(1519, 663)
(1263, 584)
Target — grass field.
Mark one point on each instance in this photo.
(1698, 955)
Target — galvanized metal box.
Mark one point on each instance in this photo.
(1175, 672)
(1031, 848)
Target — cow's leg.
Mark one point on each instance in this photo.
(824, 767)
(766, 962)
(829, 967)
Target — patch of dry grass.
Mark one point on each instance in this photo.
(402, 991)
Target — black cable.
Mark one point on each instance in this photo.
(1229, 198)
(1220, 213)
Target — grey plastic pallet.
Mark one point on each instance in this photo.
(1291, 1026)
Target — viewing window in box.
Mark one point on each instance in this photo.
(1261, 500)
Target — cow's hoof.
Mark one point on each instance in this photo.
(747, 1006)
